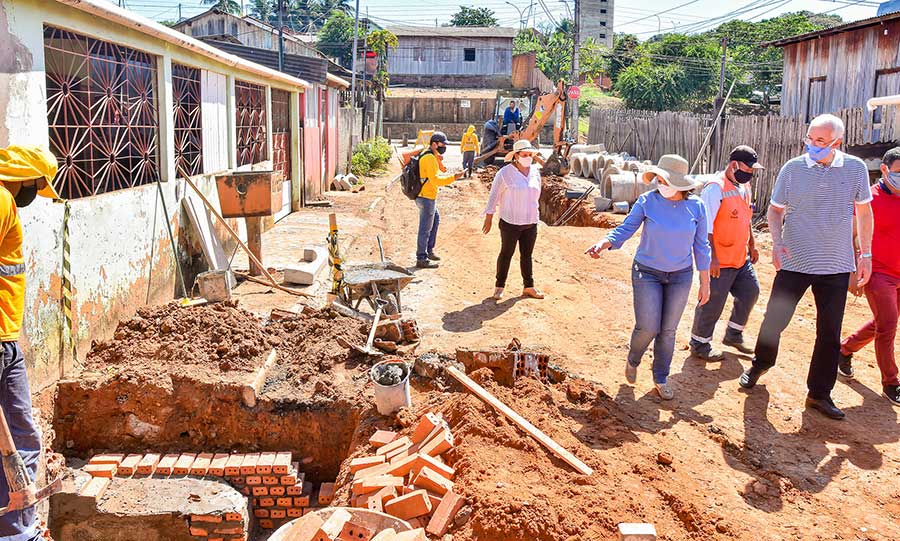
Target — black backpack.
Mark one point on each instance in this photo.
(410, 180)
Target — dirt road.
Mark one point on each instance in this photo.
(757, 459)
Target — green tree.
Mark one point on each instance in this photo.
(381, 41)
(654, 87)
(303, 16)
(336, 37)
(622, 54)
(467, 16)
(264, 10)
(327, 7)
(228, 6)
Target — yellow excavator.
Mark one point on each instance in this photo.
(495, 144)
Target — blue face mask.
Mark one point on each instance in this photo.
(893, 181)
(818, 153)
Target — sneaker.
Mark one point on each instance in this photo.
(426, 264)
(845, 366)
(750, 377)
(630, 373)
(892, 393)
(738, 344)
(710, 355)
(434, 257)
(665, 392)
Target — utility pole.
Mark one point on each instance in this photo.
(179, 12)
(353, 100)
(576, 49)
(280, 35)
(365, 108)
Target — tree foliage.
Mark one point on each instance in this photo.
(553, 52)
(381, 41)
(264, 10)
(336, 37)
(228, 6)
(467, 16)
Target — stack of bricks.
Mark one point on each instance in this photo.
(408, 478)
(272, 482)
(340, 526)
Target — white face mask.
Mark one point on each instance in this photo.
(525, 161)
(667, 191)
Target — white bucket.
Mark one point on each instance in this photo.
(390, 398)
(620, 207)
(602, 204)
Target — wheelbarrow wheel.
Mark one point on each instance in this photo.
(392, 307)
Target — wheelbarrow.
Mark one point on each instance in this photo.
(371, 282)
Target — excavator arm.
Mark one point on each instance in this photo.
(546, 105)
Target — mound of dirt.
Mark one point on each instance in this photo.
(554, 204)
(195, 341)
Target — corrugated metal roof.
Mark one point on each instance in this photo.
(855, 25)
(314, 70)
(454, 31)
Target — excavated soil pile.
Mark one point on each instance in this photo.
(486, 174)
(519, 491)
(196, 341)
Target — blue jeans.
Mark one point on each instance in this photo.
(744, 286)
(659, 301)
(429, 219)
(15, 399)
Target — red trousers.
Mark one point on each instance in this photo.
(883, 294)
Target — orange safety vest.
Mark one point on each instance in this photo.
(731, 228)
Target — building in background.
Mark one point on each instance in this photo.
(597, 21)
(452, 57)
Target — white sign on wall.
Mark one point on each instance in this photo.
(465, 104)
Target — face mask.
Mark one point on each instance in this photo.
(742, 177)
(893, 181)
(667, 191)
(441, 150)
(818, 153)
(26, 195)
(525, 161)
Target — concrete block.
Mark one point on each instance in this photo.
(637, 532)
(305, 272)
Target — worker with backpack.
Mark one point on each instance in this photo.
(420, 181)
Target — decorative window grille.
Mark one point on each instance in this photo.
(188, 129)
(251, 123)
(102, 114)
(281, 132)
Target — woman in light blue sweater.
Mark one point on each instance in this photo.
(673, 240)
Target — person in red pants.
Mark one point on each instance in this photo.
(883, 290)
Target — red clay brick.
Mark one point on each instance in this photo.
(248, 465)
(385, 535)
(333, 526)
(427, 423)
(253, 480)
(267, 502)
(294, 512)
(433, 481)
(288, 480)
(266, 524)
(354, 531)
(380, 469)
(147, 465)
(260, 491)
(364, 462)
(414, 504)
(279, 513)
(184, 463)
(439, 444)
(246, 491)
(201, 464)
(277, 491)
(197, 531)
(443, 516)
(101, 470)
(233, 465)
(95, 487)
(282, 464)
(128, 466)
(261, 513)
(109, 458)
(405, 450)
(284, 502)
(393, 446)
(295, 490)
(266, 461)
(376, 483)
(236, 530)
(217, 465)
(234, 517)
(301, 501)
(210, 519)
(326, 493)
(419, 461)
(412, 535)
(238, 481)
(386, 494)
(269, 480)
(382, 437)
(435, 501)
(415, 523)
(372, 502)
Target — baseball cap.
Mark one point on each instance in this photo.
(438, 137)
(745, 155)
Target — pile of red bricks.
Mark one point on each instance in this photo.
(278, 492)
(408, 478)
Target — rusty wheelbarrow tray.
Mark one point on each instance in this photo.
(371, 281)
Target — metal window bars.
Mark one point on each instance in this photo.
(281, 132)
(251, 123)
(188, 117)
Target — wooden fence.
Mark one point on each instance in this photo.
(647, 135)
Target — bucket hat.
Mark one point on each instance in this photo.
(520, 146)
(674, 169)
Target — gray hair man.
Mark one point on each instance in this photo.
(811, 220)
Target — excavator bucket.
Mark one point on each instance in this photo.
(556, 164)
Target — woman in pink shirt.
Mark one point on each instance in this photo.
(516, 191)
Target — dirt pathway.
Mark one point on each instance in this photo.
(756, 460)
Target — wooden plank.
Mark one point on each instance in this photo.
(520, 421)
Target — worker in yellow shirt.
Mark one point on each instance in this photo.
(469, 146)
(25, 172)
(432, 178)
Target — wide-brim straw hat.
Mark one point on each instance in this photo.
(674, 169)
(520, 146)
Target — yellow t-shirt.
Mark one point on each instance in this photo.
(12, 269)
(428, 169)
(469, 142)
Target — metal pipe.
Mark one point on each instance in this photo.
(874, 103)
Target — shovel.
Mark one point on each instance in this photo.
(368, 349)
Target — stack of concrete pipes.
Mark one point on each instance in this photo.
(619, 176)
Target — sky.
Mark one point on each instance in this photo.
(633, 17)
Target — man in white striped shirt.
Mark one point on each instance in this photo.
(811, 220)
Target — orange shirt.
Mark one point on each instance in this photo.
(12, 269)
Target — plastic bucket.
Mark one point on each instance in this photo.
(214, 285)
(620, 207)
(390, 398)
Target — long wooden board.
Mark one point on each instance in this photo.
(520, 421)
